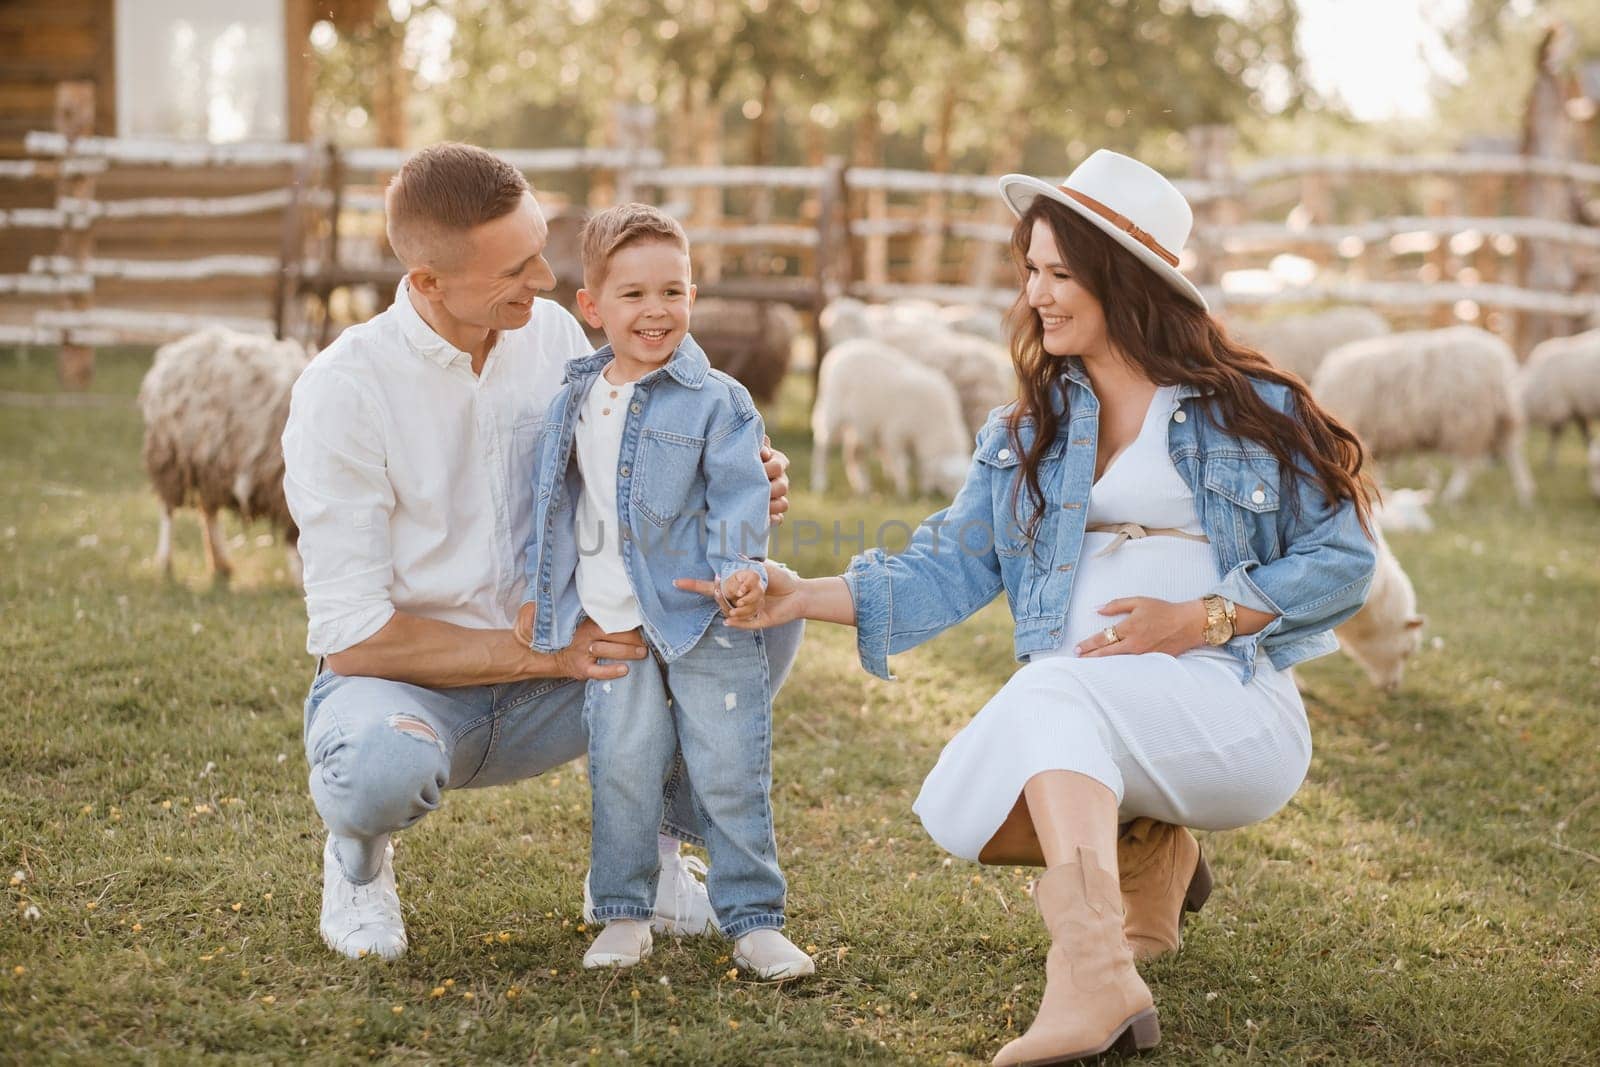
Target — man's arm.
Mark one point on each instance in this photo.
(441, 655)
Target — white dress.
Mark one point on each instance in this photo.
(1178, 739)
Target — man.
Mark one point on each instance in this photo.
(407, 467)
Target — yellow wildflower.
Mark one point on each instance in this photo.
(138, 927)
(236, 905)
(733, 1024)
(449, 983)
(166, 805)
(436, 992)
(269, 999)
(733, 972)
(91, 905)
(468, 995)
(513, 993)
(398, 1009)
(19, 970)
(503, 937)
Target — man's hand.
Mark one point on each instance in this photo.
(776, 465)
(524, 627)
(590, 645)
(742, 596)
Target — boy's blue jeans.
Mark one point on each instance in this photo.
(715, 702)
(382, 753)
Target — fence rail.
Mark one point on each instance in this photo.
(878, 233)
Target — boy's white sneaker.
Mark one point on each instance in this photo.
(683, 908)
(361, 920)
(623, 943)
(770, 956)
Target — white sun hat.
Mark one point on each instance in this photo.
(1134, 204)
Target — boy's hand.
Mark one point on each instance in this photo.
(743, 595)
(524, 627)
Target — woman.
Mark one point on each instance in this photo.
(1175, 524)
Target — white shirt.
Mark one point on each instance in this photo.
(411, 478)
(603, 586)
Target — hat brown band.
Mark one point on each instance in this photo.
(1123, 223)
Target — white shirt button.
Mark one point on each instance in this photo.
(1258, 497)
(1004, 453)
(1179, 416)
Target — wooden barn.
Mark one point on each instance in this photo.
(156, 71)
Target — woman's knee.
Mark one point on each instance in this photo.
(383, 777)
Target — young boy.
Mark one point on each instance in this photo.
(647, 470)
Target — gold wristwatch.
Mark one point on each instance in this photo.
(1221, 617)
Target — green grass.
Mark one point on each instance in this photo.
(1428, 897)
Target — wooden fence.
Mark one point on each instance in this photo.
(1452, 251)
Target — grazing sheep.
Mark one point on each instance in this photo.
(1387, 630)
(868, 393)
(1561, 384)
(1454, 390)
(1403, 509)
(1299, 343)
(844, 319)
(980, 370)
(1594, 467)
(750, 340)
(214, 406)
(985, 322)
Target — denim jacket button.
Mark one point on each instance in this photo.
(623, 471)
(634, 407)
(1179, 416)
(1258, 497)
(1004, 453)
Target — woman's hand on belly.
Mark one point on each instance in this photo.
(1150, 625)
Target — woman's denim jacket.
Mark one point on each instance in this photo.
(1280, 546)
(692, 498)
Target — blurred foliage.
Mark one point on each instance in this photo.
(906, 82)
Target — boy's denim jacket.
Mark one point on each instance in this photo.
(692, 498)
(1280, 546)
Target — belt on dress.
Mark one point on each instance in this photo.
(1132, 531)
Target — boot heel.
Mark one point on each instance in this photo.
(1199, 886)
(1145, 1030)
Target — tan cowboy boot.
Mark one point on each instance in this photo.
(1093, 999)
(1164, 876)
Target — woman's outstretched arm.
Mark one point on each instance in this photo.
(788, 597)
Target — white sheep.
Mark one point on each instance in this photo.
(1299, 343)
(844, 319)
(870, 394)
(214, 406)
(1561, 384)
(1453, 390)
(979, 321)
(1387, 630)
(1403, 510)
(1594, 467)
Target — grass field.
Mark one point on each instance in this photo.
(1428, 897)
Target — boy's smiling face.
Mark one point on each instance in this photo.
(642, 303)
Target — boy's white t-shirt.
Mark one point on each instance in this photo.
(603, 586)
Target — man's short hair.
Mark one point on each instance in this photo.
(442, 193)
(616, 228)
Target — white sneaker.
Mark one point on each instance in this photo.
(770, 956)
(361, 920)
(683, 908)
(623, 943)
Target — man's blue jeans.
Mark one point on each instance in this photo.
(713, 704)
(383, 753)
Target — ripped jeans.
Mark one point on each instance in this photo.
(383, 753)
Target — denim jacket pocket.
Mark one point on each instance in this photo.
(1250, 482)
(666, 467)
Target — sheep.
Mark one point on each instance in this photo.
(1387, 630)
(844, 319)
(867, 392)
(1299, 343)
(1453, 389)
(1594, 467)
(214, 404)
(1404, 509)
(751, 341)
(985, 322)
(1561, 384)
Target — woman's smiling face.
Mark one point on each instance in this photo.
(1073, 320)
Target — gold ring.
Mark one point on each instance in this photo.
(1111, 635)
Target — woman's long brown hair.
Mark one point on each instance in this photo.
(1174, 342)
